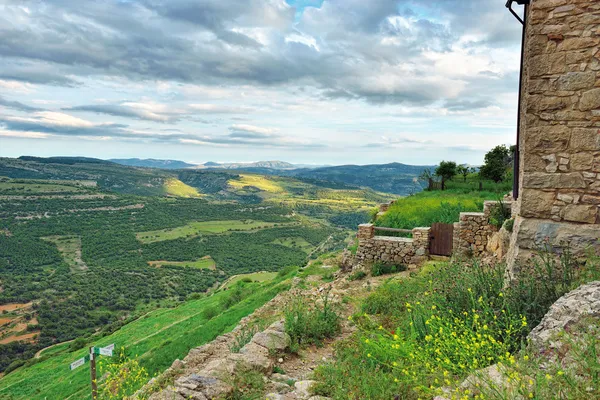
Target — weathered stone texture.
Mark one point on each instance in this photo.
(560, 128)
(568, 311)
(473, 232)
(394, 250)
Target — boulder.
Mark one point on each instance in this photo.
(255, 356)
(302, 389)
(272, 340)
(567, 311)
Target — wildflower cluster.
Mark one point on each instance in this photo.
(122, 377)
(440, 345)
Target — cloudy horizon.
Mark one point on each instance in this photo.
(303, 81)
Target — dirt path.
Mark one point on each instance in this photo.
(39, 353)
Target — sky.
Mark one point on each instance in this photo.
(303, 81)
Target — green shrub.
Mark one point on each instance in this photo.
(77, 344)
(498, 214)
(243, 337)
(509, 224)
(378, 269)
(14, 365)
(247, 384)
(311, 324)
(210, 312)
(358, 275)
(432, 330)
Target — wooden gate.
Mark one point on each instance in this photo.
(440, 239)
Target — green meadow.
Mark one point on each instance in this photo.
(253, 277)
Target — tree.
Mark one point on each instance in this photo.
(464, 171)
(497, 161)
(446, 169)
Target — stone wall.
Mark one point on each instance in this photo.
(473, 231)
(388, 249)
(559, 180)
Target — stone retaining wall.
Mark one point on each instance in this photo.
(472, 232)
(387, 249)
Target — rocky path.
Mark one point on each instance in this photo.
(208, 371)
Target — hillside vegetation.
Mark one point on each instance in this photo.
(88, 245)
(425, 208)
(155, 340)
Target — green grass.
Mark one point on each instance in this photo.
(253, 277)
(421, 334)
(472, 184)
(264, 183)
(174, 187)
(155, 339)
(196, 228)
(425, 208)
(202, 263)
(294, 242)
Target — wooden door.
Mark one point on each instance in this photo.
(440, 239)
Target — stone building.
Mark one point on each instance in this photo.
(559, 177)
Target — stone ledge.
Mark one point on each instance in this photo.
(393, 239)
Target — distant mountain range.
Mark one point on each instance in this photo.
(152, 163)
(393, 178)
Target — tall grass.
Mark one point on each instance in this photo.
(421, 334)
(426, 208)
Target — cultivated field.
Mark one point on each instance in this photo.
(197, 228)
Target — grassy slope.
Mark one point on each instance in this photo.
(156, 339)
(425, 208)
(174, 187)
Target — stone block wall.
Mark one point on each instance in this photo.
(473, 230)
(388, 249)
(559, 180)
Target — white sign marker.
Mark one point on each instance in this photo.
(77, 363)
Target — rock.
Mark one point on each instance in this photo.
(302, 389)
(590, 100)
(272, 340)
(274, 396)
(168, 394)
(178, 364)
(255, 356)
(567, 311)
(281, 387)
(191, 394)
(318, 398)
(281, 378)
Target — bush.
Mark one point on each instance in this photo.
(14, 365)
(509, 224)
(77, 344)
(123, 377)
(431, 331)
(247, 384)
(378, 269)
(358, 275)
(243, 337)
(498, 214)
(310, 325)
(210, 312)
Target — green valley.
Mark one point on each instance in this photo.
(88, 246)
